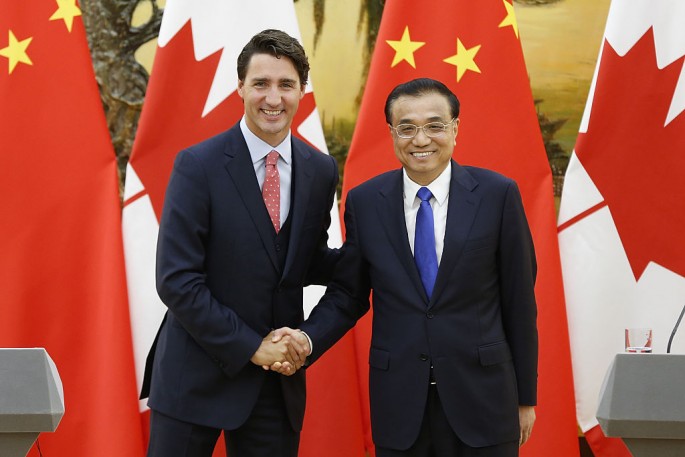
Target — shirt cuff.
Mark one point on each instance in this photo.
(311, 345)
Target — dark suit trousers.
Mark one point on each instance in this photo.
(437, 439)
(267, 432)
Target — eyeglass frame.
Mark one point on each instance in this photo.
(421, 127)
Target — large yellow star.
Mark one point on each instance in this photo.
(16, 51)
(510, 19)
(404, 49)
(66, 10)
(464, 59)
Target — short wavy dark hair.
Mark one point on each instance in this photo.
(421, 86)
(276, 43)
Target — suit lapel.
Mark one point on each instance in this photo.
(461, 212)
(302, 175)
(391, 214)
(240, 168)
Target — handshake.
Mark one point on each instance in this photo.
(283, 350)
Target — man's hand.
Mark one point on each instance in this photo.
(526, 421)
(284, 350)
(299, 342)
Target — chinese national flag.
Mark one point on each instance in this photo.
(474, 48)
(62, 268)
(622, 212)
(192, 96)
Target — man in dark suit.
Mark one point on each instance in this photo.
(244, 228)
(447, 252)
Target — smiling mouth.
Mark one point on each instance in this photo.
(270, 112)
(420, 155)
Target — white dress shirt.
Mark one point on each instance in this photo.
(440, 188)
(258, 152)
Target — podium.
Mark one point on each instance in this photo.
(643, 402)
(31, 399)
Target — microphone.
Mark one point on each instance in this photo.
(675, 329)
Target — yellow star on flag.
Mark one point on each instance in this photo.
(66, 11)
(464, 59)
(404, 49)
(510, 19)
(16, 52)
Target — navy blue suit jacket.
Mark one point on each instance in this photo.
(478, 329)
(219, 275)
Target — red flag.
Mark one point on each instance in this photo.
(192, 96)
(621, 211)
(474, 48)
(62, 267)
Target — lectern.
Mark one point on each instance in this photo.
(31, 399)
(643, 402)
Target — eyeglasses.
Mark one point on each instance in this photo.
(432, 129)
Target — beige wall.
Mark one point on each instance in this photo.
(560, 44)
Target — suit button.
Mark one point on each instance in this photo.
(278, 247)
(429, 315)
(423, 357)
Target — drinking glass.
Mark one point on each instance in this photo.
(639, 340)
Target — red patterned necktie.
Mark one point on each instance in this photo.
(271, 192)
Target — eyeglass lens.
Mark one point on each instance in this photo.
(431, 129)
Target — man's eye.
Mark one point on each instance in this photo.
(435, 128)
(405, 129)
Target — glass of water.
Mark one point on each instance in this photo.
(639, 340)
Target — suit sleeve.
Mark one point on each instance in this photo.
(181, 278)
(325, 259)
(518, 269)
(347, 296)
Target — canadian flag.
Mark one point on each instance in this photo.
(622, 210)
(192, 96)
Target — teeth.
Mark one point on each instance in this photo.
(272, 112)
(421, 154)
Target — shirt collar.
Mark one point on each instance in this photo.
(259, 148)
(440, 187)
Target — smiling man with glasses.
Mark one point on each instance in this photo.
(446, 251)
(423, 140)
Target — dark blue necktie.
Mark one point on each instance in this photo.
(424, 242)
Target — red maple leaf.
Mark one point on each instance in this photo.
(636, 162)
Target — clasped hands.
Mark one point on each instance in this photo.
(283, 350)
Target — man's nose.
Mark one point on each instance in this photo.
(273, 96)
(421, 137)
